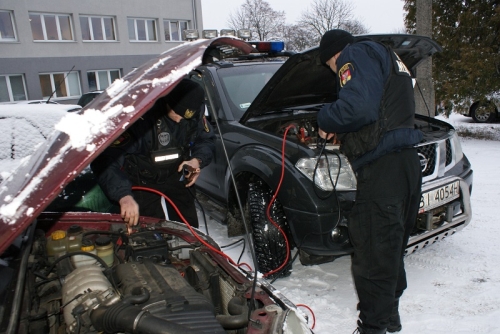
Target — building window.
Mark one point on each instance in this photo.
(7, 31)
(51, 27)
(174, 29)
(142, 30)
(100, 80)
(62, 84)
(98, 28)
(12, 88)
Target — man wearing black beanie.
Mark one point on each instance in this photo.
(374, 119)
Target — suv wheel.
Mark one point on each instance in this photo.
(270, 248)
(483, 112)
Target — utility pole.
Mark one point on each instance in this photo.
(424, 92)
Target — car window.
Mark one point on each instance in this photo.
(86, 99)
(242, 84)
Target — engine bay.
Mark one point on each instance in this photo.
(90, 276)
(300, 127)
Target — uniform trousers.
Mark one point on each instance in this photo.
(384, 214)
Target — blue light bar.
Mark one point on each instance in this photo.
(270, 47)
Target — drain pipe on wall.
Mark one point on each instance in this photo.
(195, 18)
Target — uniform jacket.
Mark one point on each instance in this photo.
(364, 69)
(117, 167)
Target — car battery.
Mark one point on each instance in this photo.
(148, 244)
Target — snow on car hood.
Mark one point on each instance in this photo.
(82, 136)
(304, 80)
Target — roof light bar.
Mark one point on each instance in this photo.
(270, 47)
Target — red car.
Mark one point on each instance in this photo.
(80, 272)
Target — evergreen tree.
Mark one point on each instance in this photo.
(468, 69)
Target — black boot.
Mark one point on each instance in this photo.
(394, 319)
(366, 330)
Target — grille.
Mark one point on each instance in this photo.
(428, 152)
(449, 155)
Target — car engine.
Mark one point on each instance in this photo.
(159, 279)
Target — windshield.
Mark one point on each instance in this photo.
(242, 84)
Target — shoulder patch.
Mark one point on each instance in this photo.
(345, 73)
(122, 140)
(401, 66)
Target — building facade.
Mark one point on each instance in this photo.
(64, 48)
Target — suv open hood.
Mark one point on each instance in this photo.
(35, 184)
(304, 80)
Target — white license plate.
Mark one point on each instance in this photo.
(436, 197)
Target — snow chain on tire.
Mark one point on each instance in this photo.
(269, 243)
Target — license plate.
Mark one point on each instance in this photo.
(436, 197)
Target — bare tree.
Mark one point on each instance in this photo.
(355, 27)
(257, 15)
(298, 38)
(325, 15)
(239, 20)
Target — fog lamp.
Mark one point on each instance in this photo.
(227, 32)
(212, 33)
(191, 34)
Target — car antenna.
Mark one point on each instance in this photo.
(248, 234)
(59, 84)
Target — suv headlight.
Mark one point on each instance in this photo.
(457, 147)
(327, 171)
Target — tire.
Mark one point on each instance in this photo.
(270, 248)
(483, 112)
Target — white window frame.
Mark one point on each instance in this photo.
(9, 87)
(98, 84)
(58, 25)
(66, 82)
(135, 19)
(168, 22)
(89, 20)
(11, 15)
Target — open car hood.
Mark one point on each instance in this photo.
(304, 80)
(35, 184)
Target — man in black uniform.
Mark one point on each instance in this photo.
(374, 120)
(164, 150)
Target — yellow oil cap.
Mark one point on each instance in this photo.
(87, 248)
(58, 235)
(87, 245)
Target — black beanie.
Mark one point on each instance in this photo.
(186, 98)
(332, 42)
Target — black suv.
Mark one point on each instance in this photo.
(264, 108)
(86, 98)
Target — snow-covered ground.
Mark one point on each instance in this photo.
(453, 285)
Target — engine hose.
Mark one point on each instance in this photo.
(128, 318)
(137, 298)
(238, 318)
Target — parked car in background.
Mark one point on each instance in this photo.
(162, 277)
(485, 111)
(86, 98)
(28, 108)
(30, 102)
